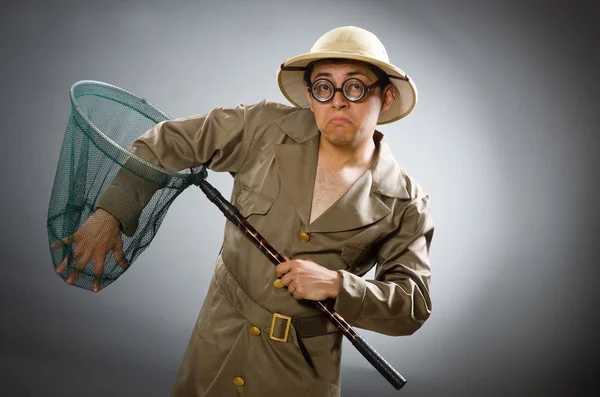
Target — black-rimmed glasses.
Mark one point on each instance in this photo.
(352, 89)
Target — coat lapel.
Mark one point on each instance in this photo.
(361, 205)
(356, 208)
(297, 162)
(389, 179)
(297, 167)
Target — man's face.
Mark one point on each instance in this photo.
(345, 123)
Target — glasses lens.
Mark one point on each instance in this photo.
(354, 89)
(322, 90)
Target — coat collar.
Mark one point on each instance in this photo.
(361, 205)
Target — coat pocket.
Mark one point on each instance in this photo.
(251, 202)
(358, 258)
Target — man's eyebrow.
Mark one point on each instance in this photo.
(352, 73)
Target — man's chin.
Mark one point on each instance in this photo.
(340, 140)
(346, 130)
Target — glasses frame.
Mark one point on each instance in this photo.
(366, 89)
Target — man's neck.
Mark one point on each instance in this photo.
(342, 157)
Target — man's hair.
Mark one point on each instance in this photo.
(382, 77)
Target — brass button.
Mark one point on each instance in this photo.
(304, 237)
(278, 283)
(238, 381)
(255, 331)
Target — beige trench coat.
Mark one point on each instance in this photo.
(239, 345)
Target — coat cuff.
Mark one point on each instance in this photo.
(351, 296)
(126, 198)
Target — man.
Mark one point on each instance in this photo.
(321, 185)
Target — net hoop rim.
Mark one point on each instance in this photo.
(102, 135)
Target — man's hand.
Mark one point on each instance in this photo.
(306, 279)
(93, 240)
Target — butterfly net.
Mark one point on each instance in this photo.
(104, 121)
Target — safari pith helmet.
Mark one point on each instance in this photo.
(352, 43)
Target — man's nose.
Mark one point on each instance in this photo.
(338, 100)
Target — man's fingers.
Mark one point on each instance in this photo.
(283, 268)
(123, 263)
(98, 262)
(96, 284)
(79, 266)
(287, 279)
(291, 287)
(119, 258)
(73, 276)
(65, 241)
(62, 266)
(72, 256)
(98, 272)
(297, 294)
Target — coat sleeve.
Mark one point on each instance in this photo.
(397, 301)
(219, 140)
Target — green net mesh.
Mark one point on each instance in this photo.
(104, 121)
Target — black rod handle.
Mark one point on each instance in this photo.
(378, 362)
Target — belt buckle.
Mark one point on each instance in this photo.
(287, 327)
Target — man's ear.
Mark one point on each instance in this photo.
(310, 99)
(389, 95)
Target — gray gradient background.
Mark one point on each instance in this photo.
(503, 138)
